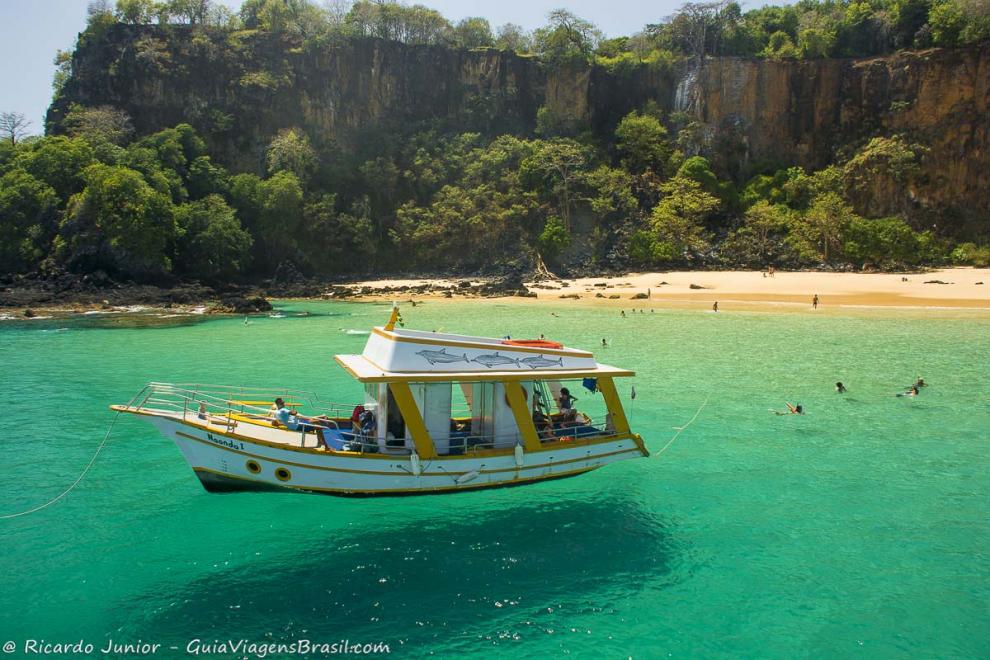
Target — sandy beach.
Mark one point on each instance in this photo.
(967, 288)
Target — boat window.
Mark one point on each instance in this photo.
(395, 426)
(586, 417)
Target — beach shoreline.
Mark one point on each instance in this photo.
(953, 288)
(941, 289)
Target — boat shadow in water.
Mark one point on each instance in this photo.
(428, 581)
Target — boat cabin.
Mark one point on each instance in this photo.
(445, 395)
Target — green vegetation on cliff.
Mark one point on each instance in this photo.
(214, 145)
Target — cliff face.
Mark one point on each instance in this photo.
(240, 90)
(809, 112)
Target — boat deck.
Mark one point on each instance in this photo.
(340, 439)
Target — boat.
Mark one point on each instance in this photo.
(441, 413)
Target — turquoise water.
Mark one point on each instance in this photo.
(861, 528)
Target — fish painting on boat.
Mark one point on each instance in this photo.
(541, 362)
(491, 360)
(441, 357)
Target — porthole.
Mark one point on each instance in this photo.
(283, 474)
(253, 467)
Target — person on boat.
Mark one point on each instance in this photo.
(840, 388)
(544, 427)
(282, 415)
(566, 405)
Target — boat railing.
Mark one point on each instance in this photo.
(228, 404)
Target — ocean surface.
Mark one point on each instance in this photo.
(859, 529)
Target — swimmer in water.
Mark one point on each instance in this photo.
(911, 392)
(604, 343)
(840, 388)
(791, 410)
(920, 382)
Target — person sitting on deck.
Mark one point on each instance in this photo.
(283, 416)
(544, 427)
(566, 405)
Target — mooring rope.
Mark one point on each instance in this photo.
(681, 429)
(74, 483)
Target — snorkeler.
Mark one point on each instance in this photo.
(840, 388)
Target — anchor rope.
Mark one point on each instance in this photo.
(683, 428)
(74, 483)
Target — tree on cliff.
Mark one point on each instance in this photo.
(698, 27)
(291, 151)
(643, 144)
(558, 165)
(566, 38)
(474, 32)
(513, 37)
(101, 124)
(13, 126)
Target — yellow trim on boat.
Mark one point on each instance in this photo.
(524, 420)
(407, 491)
(398, 459)
(607, 387)
(413, 419)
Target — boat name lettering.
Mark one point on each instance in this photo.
(224, 442)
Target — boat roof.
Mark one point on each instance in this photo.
(414, 355)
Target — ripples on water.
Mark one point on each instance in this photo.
(858, 528)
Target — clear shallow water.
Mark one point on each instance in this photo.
(860, 528)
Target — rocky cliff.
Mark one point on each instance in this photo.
(811, 112)
(240, 89)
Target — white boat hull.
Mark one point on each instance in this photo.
(237, 464)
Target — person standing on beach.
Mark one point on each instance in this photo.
(715, 306)
(648, 294)
(814, 302)
(770, 270)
